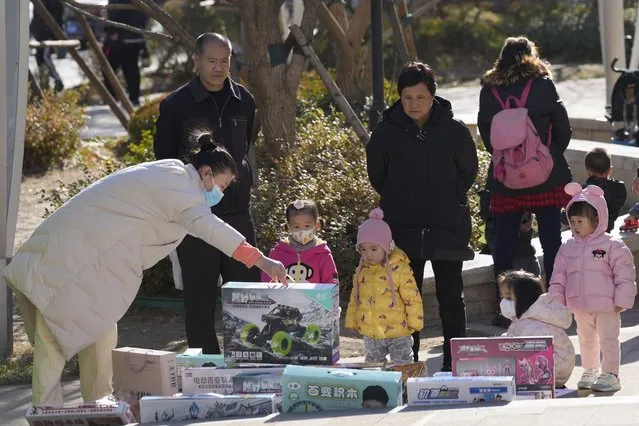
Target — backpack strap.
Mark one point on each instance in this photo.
(521, 102)
(504, 105)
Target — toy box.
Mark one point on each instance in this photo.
(85, 414)
(188, 361)
(178, 408)
(529, 359)
(227, 381)
(272, 323)
(448, 390)
(322, 389)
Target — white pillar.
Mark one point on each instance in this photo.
(634, 57)
(14, 60)
(612, 40)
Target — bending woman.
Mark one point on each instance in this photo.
(79, 272)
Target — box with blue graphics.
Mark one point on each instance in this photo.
(449, 390)
(322, 389)
(272, 323)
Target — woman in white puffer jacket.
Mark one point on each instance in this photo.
(534, 313)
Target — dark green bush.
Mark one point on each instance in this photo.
(143, 119)
(52, 131)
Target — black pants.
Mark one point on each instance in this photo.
(125, 56)
(202, 266)
(507, 232)
(449, 288)
(43, 57)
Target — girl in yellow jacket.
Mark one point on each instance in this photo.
(385, 305)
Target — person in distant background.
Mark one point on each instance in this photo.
(599, 169)
(41, 32)
(122, 48)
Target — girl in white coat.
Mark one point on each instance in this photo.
(79, 272)
(534, 313)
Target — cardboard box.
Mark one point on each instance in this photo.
(448, 390)
(85, 414)
(271, 323)
(529, 359)
(196, 360)
(322, 389)
(178, 408)
(143, 372)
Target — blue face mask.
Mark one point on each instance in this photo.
(214, 196)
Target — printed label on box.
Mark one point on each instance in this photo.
(447, 390)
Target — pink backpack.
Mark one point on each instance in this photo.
(520, 159)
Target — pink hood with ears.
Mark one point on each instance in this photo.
(594, 196)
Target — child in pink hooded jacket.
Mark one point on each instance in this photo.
(594, 276)
(307, 259)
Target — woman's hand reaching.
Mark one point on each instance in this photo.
(273, 269)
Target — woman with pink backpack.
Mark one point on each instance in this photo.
(525, 127)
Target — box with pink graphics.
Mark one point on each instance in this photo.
(529, 359)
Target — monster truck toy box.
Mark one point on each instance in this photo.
(529, 359)
(448, 390)
(322, 389)
(273, 323)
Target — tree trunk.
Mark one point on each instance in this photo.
(274, 86)
(349, 76)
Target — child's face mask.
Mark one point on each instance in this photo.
(303, 236)
(507, 308)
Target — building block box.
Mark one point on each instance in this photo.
(322, 389)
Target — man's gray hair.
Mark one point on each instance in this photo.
(212, 38)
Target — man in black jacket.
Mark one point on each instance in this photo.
(122, 48)
(41, 32)
(211, 101)
(599, 169)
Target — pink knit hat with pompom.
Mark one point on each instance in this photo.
(376, 231)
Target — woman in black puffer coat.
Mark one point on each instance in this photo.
(422, 162)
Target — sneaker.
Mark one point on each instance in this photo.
(606, 382)
(587, 379)
(107, 400)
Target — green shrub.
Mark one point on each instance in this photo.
(143, 119)
(52, 131)
(141, 151)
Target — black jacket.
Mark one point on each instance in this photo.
(192, 107)
(544, 107)
(38, 28)
(423, 176)
(615, 194)
(133, 18)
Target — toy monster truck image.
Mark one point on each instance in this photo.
(282, 327)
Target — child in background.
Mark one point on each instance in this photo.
(307, 259)
(534, 313)
(594, 276)
(385, 304)
(599, 169)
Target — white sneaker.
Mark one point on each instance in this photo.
(606, 382)
(588, 378)
(107, 400)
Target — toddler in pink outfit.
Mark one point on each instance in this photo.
(594, 276)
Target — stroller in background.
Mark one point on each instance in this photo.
(623, 106)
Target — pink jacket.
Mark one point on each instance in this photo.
(595, 273)
(315, 265)
(546, 317)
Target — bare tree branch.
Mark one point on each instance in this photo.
(100, 7)
(359, 23)
(123, 26)
(416, 14)
(167, 21)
